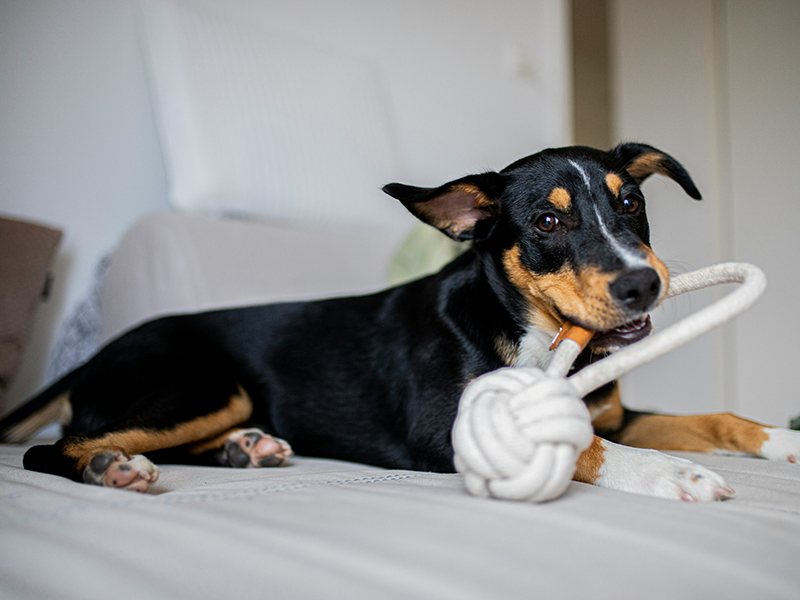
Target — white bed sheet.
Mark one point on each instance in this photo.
(331, 529)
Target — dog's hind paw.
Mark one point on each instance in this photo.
(254, 448)
(654, 473)
(115, 469)
(782, 444)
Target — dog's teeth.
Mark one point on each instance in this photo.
(632, 326)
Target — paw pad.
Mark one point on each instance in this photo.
(254, 448)
(117, 470)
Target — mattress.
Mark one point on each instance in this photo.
(330, 529)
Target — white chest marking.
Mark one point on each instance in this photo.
(534, 349)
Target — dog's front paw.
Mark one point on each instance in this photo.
(254, 448)
(654, 473)
(782, 444)
(115, 469)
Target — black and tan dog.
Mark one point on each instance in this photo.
(559, 235)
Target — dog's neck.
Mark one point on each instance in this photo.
(517, 341)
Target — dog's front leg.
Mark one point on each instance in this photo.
(648, 472)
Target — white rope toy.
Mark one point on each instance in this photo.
(519, 431)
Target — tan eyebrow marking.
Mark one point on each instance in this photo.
(614, 183)
(560, 198)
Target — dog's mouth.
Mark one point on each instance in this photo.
(622, 336)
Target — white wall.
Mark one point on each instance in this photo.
(78, 147)
(716, 83)
(763, 41)
(474, 84)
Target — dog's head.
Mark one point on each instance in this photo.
(567, 230)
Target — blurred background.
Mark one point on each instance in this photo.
(296, 112)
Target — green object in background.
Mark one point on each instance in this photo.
(424, 251)
(795, 423)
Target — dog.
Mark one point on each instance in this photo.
(561, 235)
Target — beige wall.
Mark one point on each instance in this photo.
(717, 85)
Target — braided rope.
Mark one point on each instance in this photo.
(519, 431)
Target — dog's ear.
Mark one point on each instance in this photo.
(464, 209)
(641, 161)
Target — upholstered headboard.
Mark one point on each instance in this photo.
(243, 133)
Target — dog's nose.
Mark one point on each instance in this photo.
(637, 290)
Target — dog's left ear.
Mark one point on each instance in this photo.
(464, 209)
(641, 161)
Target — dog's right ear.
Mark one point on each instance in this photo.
(464, 209)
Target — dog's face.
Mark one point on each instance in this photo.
(568, 229)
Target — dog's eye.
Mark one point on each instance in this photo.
(630, 205)
(546, 223)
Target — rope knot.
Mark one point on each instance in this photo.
(518, 434)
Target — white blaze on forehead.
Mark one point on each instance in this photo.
(631, 257)
(583, 173)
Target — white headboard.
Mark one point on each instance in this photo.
(252, 121)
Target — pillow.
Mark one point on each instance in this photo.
(252, 121)
(185, 263)
(26, 252)
(423, 252)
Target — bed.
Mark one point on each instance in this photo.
(330, 529)
(323, 528)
